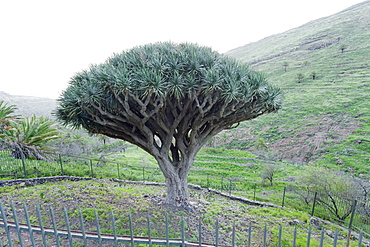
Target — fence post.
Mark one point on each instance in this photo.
(230, 187)
(82, 227)
(200, 233)
(233, 236)
(249, 235)
(118, 171)
(41, 226)
(28, 224)
(115, 230)
(282, 204)
(309, 237)
(98, 228)
(23, 161)
(167, 232)
(360, 238)
(294, 237)
(131, 231)
(91, 168)
(182, 231)
(6, 227)
(254, 191)
(56, 235)
(149, 231)
(216, 232)
(335, 238)
(280, 235)
(61, 164)
(143, 174)
(322, 238)
(16, 222)
(68, 227)
(350, 222)
(314, 204)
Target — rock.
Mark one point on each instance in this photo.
(188, 208)
(316, 223)
(332, 234)
(294, 222)
(203, 201)
(359, 115)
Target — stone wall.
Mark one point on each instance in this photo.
(42, 180)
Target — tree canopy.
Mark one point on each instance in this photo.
(6, 115)
(168, 99)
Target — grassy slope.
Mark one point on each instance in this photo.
(324, 118)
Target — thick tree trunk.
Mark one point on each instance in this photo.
(177, 191)
(176, 174)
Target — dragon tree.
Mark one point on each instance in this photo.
(169, 99)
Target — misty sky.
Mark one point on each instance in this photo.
(44, 43)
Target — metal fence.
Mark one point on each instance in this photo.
(15, 233)
(351, 213)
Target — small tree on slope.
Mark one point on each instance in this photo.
(169, 99)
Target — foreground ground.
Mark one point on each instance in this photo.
(139, 201)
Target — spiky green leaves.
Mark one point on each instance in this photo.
(31, 131)
(6, 112)
(29, 136)
(167, 70)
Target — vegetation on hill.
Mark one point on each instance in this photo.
(327, 115)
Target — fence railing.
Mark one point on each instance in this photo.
(349, 213)
(26, 234)
(357, 217)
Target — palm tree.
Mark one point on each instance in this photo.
(29, 136)
(6, 115)
(261, 144)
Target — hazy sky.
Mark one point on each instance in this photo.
(44, 43)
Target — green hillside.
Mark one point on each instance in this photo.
(327, 114)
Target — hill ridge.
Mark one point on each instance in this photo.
(30, 105)
(318, 121)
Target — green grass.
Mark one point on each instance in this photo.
(332, 110)
(213, 168)
(94, 196)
